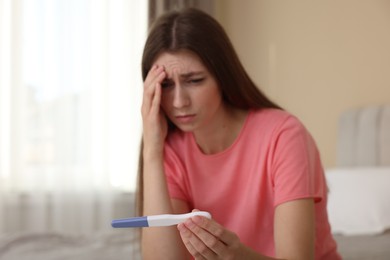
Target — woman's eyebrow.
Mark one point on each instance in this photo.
(188, 75)
(191, 74)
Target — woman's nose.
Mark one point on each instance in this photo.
(180, 98)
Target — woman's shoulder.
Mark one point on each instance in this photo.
(273, 117)
(274, 122)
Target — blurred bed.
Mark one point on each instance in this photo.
(71, 241)
(118, 245)
(359, 197)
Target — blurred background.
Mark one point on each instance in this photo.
(70, 91)
(71, 88)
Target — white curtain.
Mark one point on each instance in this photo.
(70, 126)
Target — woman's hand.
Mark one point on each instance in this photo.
(206, 239)
(155, 126)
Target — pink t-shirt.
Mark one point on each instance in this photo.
(273, 160)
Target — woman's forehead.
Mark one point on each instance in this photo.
(181, 62)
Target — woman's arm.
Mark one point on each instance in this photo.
(294, 230)
(160, 241)
(294, 235)
(165, 241)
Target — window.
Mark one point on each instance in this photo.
(70, 93)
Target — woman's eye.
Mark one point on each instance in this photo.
(166, 84)
(195, 81)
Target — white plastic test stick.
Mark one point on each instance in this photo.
(157, 220)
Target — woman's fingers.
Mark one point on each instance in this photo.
(197, 248)
(154, 78)
(216, 230)
(154, 123)
(155, 106)
(152, 74)
(208, 238)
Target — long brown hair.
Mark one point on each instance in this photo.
(194, 30)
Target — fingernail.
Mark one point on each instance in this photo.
(181, 228)
(189, 224)
(197, 219)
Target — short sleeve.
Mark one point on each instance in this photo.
(174, 172)
(296, 168)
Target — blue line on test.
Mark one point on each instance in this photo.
(133, 222)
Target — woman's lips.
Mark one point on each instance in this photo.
(184, 118)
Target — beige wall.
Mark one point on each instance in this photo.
(315, 58)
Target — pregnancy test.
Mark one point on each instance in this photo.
(157, 220)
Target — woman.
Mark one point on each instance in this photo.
(212, 141)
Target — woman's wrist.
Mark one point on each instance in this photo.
(152, 154)
(249, 253)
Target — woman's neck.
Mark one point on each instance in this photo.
(222, 133)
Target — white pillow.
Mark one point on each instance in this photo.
(359, 200)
